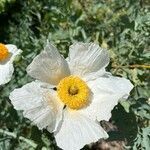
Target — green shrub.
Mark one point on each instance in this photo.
(121, 26)
(4, 4)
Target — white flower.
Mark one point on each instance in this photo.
(71, 96)
(7, 56)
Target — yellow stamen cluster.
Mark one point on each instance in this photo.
(4, 53)
(73, 92)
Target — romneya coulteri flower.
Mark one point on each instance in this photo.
(8, 54)
(71, 96)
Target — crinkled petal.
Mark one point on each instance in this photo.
(87, 59)
(6, 67)
(107, 92)
(77, 130)
(6, 72)
(49, 66)
(42, 116)
(57, 107)
(14, 51)
(38, 104)
(27, 97)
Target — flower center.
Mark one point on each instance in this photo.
(4, 53)
(73, 92)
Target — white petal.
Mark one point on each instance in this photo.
(49, 66)
(31, 98)
(57, 107)
(42, 116)
(107, 92)
(87, 59)
(6, 67)
(6, 72)
(28, 97)
(13, 50)
(77, 131)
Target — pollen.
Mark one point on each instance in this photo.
(73, 92)
(4, 53)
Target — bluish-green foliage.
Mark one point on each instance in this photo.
(4, 4)
(121, 26)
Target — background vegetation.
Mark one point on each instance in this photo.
(121, 26)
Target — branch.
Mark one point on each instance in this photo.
(30, 142)
(132, 66)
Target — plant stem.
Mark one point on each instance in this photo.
(132, 66)
(30, 142)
